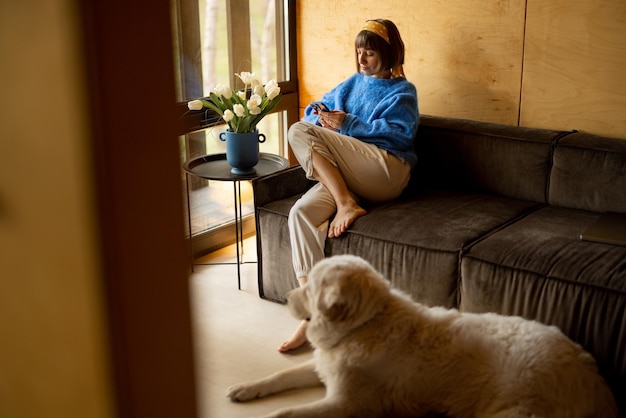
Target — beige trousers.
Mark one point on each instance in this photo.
(370, 173)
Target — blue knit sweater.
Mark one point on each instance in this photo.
(383, 112)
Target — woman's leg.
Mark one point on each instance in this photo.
(306, 140)
(348, 210)
(308, 227)
(308, 224)
(299, 336)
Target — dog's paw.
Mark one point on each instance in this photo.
(243, 392)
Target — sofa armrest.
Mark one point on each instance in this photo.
(280, 185)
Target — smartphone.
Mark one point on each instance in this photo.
(319, 107)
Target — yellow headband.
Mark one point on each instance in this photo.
(377, 28)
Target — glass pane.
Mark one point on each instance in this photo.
(270, 127)
(263, 39)
(212, 206)
(214, 43)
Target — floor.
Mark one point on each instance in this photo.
(236, 335)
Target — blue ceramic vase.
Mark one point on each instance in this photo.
(242, 150)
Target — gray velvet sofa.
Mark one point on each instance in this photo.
(490, 222)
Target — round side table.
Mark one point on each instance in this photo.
(215, 167)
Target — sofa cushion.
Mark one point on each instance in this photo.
(539, 268)
(589, 173)
(422, 256)
(494, 158)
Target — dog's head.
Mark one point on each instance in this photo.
(342, 293)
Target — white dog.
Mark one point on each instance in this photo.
(380, 354)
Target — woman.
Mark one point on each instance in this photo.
(359, 149)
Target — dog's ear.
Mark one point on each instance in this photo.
(332, 303)
(337, 312)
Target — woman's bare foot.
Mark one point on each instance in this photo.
(297, 339)
(344, 217)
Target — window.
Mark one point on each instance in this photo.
(214, 39)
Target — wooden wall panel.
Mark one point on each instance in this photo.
(464, 56)
(575, 66)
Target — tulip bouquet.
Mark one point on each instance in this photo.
(243, 109)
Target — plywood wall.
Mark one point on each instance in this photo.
(543, 63)
(575, 66)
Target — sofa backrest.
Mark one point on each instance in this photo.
(507, 160)
(589, 172)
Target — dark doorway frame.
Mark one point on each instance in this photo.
(145, 259)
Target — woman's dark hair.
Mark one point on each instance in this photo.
(391, 54)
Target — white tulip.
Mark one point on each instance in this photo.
(246, 77)
(258, 90)
(239, 110)
(195, 105)
(255, 101)
(223, 91)
(228, 115)
(270, 84)
(272, 92)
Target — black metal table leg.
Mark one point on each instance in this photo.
(238, 227)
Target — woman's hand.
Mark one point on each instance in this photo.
(332, 120)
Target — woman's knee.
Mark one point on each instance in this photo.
(300, 142)
(297, 133)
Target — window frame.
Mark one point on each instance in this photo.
(192, 123)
